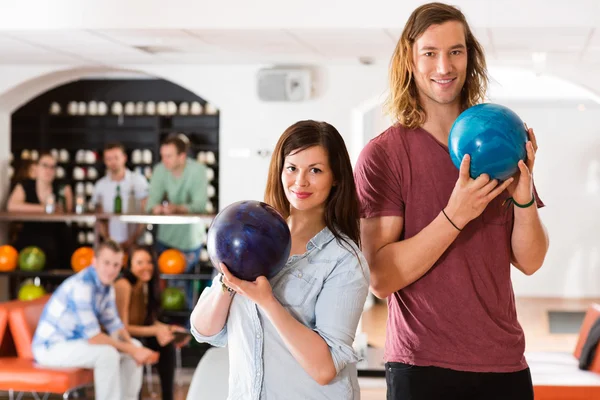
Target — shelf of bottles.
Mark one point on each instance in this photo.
(76, 120)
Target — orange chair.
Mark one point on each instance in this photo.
(591, 316)
(21, 373)
(3, 326)
(556, 376)
(7, 346)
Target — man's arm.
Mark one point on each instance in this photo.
(396, 264)
(529, 240)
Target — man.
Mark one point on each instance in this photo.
(440, 244)
(179, 186)
(69, 331)
(129, 184)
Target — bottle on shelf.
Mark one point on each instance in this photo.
(165, 199)
(118, 204)
(99, 208)
(132, 207)
(62, 200)
(50, 206)
(79, 203)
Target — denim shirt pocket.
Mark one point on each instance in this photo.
(293, 287)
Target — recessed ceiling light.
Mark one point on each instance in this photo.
(157, 49)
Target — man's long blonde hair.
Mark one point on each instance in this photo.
(403, 101)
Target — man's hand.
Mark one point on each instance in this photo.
(157, 209)
(170, 209)
(470, 196)
(521, 189)
(143, 355)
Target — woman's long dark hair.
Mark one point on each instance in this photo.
(153, 286)
(341, 209)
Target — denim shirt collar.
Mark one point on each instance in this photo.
(320, 239)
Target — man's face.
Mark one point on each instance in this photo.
(440, 63)
(170, 158)
(114, 159)
(108, 264)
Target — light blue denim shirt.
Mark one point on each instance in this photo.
(325, 288)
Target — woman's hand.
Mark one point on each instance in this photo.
(184, 342)
(258, 291)
(163, 334)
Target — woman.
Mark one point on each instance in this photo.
(138, 301)
(291, 337)
(30, 196)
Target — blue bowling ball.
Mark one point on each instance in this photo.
(495, 138)
(251, 238)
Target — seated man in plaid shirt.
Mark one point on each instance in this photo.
(69, 331)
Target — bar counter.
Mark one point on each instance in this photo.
(131, 218)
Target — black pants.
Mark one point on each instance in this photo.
(409, 382)
(165, 366)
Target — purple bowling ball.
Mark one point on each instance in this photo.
(251, 238)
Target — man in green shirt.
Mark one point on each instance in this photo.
(179, 186)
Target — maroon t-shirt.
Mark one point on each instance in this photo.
(461, 314)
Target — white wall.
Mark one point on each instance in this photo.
(567, 176)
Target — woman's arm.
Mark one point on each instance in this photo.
(211, 312)
(16, 202)
(326, 350)
(306, 345)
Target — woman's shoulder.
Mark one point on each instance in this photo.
(122, 284)
(27, 184)
(343, 244)
(345, 249)
(346, 261)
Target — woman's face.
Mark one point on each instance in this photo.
(141, 265)
(46, 169)
(307, 178)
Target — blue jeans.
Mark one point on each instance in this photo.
(192, 257)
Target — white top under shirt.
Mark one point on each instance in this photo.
(106, 188)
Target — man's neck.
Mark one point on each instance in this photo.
(178, 171)
(118, 176)
(440, 118)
